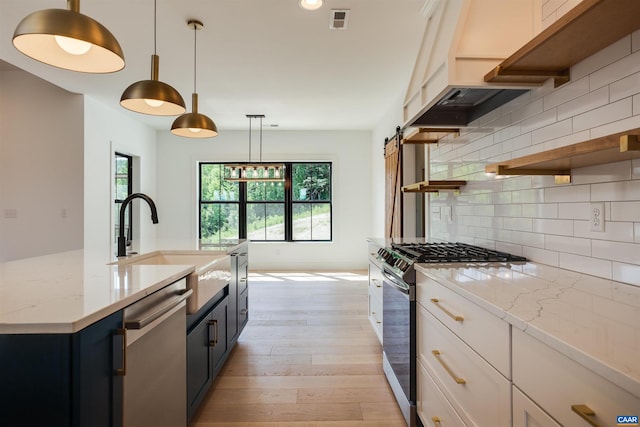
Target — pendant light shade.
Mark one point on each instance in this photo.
(65, 38)
(194, 124)
(153, 96)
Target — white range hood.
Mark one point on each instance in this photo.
(463, 41)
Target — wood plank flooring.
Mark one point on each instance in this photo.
(307, 358)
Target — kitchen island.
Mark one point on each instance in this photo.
(60, 317)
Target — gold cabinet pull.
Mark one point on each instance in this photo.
(457, 318)
(436, 421)
(456, 378)
(585, 413)
(377, 283)
(213, 323)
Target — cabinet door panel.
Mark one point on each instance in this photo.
(433, 408)
(218, 334)
(243, 310)
(199, 366)
(556, 383)
(527, 414)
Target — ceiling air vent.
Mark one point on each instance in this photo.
(339, 19)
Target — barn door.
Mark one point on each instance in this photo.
(393, 183)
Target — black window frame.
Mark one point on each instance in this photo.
(117, 201)
(288, 202)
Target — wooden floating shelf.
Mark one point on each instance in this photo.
(560, 161)
(587, 28)
(433, 186)
(429, 135)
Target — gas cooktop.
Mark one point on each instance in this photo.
(399, 258)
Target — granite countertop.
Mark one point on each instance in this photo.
(66, 292)
(591, 320)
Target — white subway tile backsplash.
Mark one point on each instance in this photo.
(628, 253)
(626, 66)
(574, 211)
(588, 265)
(613, 231)
(587, 102)
(531, 215)
(541, 255)
(603, 115)
(624, 88)
(550, 7)
(625, 211)
(616, 191)
(567, 92)
(508, 210)
(538, 121)
(619, 171)
(573, 193)
(626, 273)
(518, 224)
(562, 227)
(539, 210)
(528, 196)
(567, 244)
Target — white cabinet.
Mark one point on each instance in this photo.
(527, 414)
(564, 388)
(431, 401)
(375, 294)
(464, 351)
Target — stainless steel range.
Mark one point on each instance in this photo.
(399, 307)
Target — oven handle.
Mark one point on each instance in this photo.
(402, 287)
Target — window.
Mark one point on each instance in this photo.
(298, 209)
(123, 189)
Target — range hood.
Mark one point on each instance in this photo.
(463, 40)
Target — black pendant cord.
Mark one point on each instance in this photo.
(250, 120)
(260, 139)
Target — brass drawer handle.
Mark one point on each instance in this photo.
(585, 413)
(456, 378)
(457, 318)
(377, 283)
(436, 421)
(213, 324)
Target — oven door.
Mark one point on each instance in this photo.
(399, 342)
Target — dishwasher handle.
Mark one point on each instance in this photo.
(158, 311)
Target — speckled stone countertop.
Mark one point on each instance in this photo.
(594, 321)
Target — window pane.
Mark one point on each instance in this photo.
(311, 181)
(265, 191)
(311, 221)
(213, 187)
(116, 221)
(265, 221)
(219, 222)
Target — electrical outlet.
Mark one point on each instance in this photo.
(596, 216)
(10, 214)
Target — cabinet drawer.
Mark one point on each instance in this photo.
(243, 272)
(466, 379)
(527, 414)
(556, 383)
(243, 309)
(375, 281)
(433, 408)
(481, 330)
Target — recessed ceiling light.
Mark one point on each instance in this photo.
(310, 4)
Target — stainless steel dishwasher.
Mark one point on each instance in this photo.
(155, 359)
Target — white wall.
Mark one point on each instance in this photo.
(41, 152)
(109, 129)
(350, 152)
(530, 215)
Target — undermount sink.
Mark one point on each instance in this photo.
(212, 271)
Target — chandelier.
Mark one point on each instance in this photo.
(254, 171)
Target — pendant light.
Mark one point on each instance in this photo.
(67, 39)
(194, 124)
(153, 96)
(254, 172)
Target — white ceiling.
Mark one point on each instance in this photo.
(254, 57)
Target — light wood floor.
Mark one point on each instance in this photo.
(307, 358)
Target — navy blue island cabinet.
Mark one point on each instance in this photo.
(63, 380)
